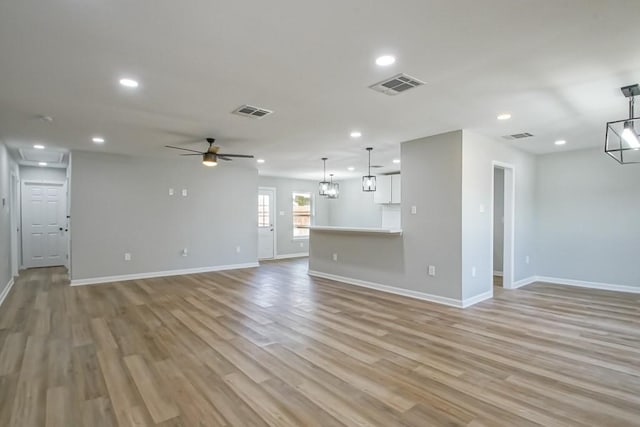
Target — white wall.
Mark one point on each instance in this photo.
(121, 204)
(478, 154)
(588, 218)
(30, 173)
(498, 218)
(7, 166)
(354, 207)
(285, 187)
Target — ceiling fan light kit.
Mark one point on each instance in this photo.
(621, 139)
(369, 181)
(211, 156)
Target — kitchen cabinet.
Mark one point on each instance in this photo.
(388, 189)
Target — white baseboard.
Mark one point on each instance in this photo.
(452, 302)
(524, 282)
(125, 277)
(497, 273)
(478, 298)
(6, 290)
(591, 285)
(296, 255)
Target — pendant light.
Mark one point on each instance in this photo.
(621, 140)
(334, 189)
(369, 181)
(323, 186)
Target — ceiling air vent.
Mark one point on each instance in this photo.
(518, 136)
(252, 112)
(396, 84)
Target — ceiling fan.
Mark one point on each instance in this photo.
(211, 156)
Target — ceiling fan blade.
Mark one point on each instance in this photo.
(195, 154)
(223, 158)
(185, 149)
(245, 156)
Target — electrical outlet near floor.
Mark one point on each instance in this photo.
(432, 270)
(335, 257)
(473, 272)
(127, 256)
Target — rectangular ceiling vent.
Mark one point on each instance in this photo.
(252, 112)
(396, 84)
(518, 136)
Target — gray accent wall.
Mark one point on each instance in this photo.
(432, 181)
(588, 221)
(7, 166)
(285, 187)
(479, 153)
(121, 204)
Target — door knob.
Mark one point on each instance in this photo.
(60, 228)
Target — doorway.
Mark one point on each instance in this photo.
(266, 223)
(44, 224)
(503, 224)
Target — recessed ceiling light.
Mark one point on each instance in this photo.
(351, 168)
(129, 83)
(98, 139)
(385, 60)
(504, 116)
(42, 163)
(356, 134)
(396, 161)
(560, 142)
(260, 160)
(39, 147)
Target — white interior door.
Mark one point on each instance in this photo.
(43, 225)
(15, 227)
(266, 229)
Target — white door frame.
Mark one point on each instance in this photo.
(14, 215)
(508, 256)
(62, 184)
(275, 220)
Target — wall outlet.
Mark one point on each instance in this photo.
(127, 256)
(335, 257)
(184, 192)
(237, 249)
(414, 210)
(171, 192)
(432, 270)
(184, 252)
(527, 259)
(473, 272)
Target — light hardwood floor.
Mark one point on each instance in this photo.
(272, 346)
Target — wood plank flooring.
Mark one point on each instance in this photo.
(271, 346)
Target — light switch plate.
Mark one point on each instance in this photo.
(184, 192)
(414, 210)
(171, 192)
(432, 270)
(127, 256)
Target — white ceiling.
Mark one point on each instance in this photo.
(555, 65)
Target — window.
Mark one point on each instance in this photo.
(301, 214)
(263, 210)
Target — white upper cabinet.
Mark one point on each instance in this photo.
(388, 189)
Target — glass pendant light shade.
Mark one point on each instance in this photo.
(622, 141)
(323, 186)
(369, 181)
(334, 189)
